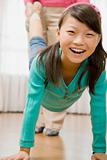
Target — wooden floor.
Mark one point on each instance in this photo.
(73, 143)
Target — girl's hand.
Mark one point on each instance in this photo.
(22, 155)
(99, 156)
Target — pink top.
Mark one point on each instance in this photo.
(56, 3)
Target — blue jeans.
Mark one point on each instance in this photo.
(36, 44)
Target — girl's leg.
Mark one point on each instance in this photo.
(35, 34)
(53, 122)
(36, 42)
(35, 24)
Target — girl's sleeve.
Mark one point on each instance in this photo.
(98, 114)
(33, 101)
(26, 1)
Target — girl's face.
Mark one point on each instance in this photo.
(77, 40)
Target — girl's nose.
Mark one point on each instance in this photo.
(78, 40)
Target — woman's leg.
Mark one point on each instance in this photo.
(52, 17)
(53, 120)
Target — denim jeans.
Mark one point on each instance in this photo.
(36, 45)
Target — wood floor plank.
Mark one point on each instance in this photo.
(73, 142)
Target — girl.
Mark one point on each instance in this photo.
(48, 122)
(60, 73)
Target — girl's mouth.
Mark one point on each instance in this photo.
(77, 51)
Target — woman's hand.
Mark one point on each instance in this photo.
(99, 156)
(22, 155)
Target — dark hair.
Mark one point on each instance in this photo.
(86, 14)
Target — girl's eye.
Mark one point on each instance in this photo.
(90, 34)
(71, 32)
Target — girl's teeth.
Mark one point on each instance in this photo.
(77, 51)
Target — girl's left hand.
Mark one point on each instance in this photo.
(99, 156)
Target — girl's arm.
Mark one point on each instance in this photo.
(35, 93)
(98, 114)
(99, 156)
(27, 150)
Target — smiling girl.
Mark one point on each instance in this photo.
(60, 73)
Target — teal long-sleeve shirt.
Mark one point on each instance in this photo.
(59, 98)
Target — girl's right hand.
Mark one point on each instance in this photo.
(22, 155)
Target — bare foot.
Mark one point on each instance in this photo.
(37, 7)
(32, 11)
